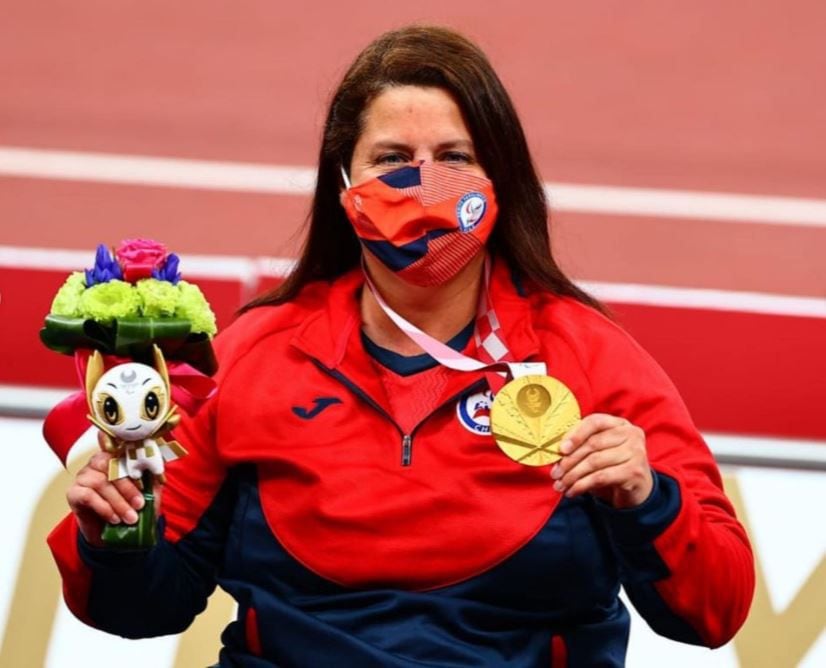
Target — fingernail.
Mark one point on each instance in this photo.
(558, 486)
(556, 472)
(114, 519)
(566, 446)
(137, 502)
(130, 517)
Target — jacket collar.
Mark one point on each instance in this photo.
(331, 335)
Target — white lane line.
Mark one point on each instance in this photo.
(286, 180)
(724, 207)
(701, 298)
(232, 267)
(248, 270)
(154, 171)
(59, 259)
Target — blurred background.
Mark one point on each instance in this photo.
(683, 146)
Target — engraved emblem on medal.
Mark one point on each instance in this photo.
(529, 417)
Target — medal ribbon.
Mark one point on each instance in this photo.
(487, 332)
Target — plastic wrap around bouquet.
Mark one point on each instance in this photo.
(141, 338)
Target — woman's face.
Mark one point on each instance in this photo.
(406, 124)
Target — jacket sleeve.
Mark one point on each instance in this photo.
(685, 560)
(141, 593)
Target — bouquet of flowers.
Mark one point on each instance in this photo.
(128, 301)
(142, 342)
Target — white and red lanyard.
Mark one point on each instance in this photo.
(489, 341)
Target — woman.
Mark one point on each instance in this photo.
(344, 486)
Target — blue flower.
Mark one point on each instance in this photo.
(169, 272)
(106, 268)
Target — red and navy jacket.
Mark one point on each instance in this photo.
(346, 541)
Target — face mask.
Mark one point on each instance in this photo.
(426, 222)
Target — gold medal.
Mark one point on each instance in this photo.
(529, 417)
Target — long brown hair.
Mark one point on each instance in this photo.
(439, 57)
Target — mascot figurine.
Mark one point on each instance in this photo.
(130, 404)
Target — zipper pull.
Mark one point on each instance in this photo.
(407, 449)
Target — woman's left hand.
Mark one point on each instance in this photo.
(605, 455)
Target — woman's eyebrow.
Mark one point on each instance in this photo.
(465, 144)
(389, 145)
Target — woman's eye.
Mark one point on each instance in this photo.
(457, 157)
(391, 159)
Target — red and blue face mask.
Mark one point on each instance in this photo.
(424, 222)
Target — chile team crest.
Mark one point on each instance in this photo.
(473, 411)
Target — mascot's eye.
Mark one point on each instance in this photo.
(111, 410)
(151, 405)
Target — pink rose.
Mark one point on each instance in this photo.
(138, 257)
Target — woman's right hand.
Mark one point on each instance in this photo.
(95, 500)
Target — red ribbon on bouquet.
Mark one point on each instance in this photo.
(67, 421)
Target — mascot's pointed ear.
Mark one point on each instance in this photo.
(160, 365)
(94, 370)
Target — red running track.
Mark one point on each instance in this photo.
(711, 96)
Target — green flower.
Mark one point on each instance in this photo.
(160, 298)
(106, 301)
(193, 306)
(67, 300)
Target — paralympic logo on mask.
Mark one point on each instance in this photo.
(470, 210)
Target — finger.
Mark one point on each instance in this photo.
(596, 461)
(130, 491)
(586, 428)
(89, 477)
(99, 462)
(99, 482)
(601, 478)
(600, 441)
(119, 503)
(125, 486)
(84, 499)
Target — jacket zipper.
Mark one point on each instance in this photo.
(407, 439)
(407, 449)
